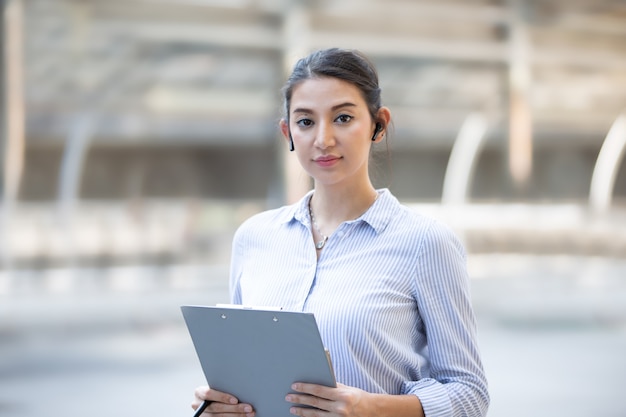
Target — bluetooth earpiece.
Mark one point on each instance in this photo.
(291, 147)
(379, 127)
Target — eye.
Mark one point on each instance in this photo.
(304, 122)
(343, 118)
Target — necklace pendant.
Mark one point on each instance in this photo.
(319, 245)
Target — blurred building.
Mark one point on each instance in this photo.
(177, 98)
(132, 100)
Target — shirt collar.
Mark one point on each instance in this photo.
(380, 213)
(377, 216)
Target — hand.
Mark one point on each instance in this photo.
(343, 401)
(222, 403)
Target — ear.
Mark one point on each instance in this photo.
(383, 118)
(284, 129)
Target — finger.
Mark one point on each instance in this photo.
(315, 390)
(205, 393)
(309, 400)
(215, 408)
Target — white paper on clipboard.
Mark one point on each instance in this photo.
(257, 354)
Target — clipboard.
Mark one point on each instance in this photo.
(256, 354)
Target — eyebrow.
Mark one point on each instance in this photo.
(333, 108)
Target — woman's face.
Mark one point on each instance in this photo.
(331, 129)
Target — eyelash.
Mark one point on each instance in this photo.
(344, 116)
(304, 122)
(309, 122)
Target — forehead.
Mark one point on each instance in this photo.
(323, 92)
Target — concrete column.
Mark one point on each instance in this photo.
(11, 125)
(3, 136)
(520, 117)
(12, 99)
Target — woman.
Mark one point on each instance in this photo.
(388, 286)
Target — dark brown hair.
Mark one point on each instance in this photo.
(345, 64)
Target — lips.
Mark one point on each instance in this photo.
(326, 160)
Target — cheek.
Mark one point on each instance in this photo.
(301, 141)
(303, 154)
(359, 133)
(360, 140)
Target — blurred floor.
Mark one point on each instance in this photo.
(552, 331)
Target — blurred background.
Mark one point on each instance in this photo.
(136, 135)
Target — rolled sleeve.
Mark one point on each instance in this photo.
(457, 385)
(433, 396)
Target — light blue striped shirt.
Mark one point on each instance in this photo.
(390, 294)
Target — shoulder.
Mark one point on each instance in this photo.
(438, 247)
(422, 230)
(392, 214)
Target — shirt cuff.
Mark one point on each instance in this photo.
(433, 396)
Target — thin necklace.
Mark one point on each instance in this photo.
(318, 245)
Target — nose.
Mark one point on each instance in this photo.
(325, 136)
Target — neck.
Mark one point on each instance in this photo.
(331, 208)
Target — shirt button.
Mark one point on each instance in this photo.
(340, 234)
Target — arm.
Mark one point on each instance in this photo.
(457, 384)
